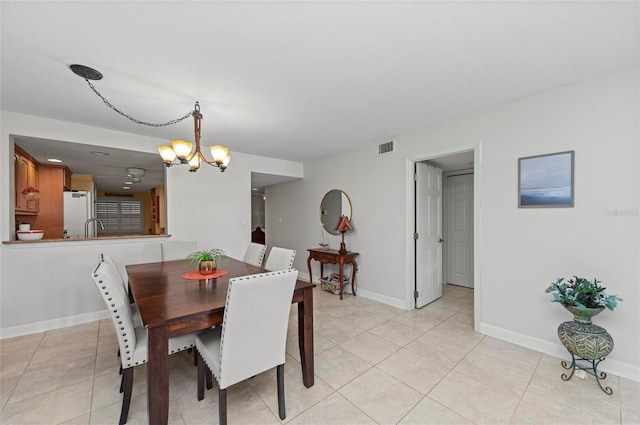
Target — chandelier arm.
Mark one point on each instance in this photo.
(197, 123)
(204, 159)
(130, 118)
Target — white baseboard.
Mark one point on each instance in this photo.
(48, 325)
(394, 302)
(303, 276)
(612, 366)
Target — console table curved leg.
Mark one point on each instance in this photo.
(354, 271)
(341, 281)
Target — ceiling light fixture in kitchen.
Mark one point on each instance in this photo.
(136, 174)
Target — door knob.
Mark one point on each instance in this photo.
(440, 240)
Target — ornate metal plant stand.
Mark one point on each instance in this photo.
(588, 344)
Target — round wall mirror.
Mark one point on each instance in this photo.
(334, 204)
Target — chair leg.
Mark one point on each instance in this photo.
(127, 382)
(280, 381)
(201, 372)
(222, 407)
(209, 377)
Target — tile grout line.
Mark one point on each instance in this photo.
(24, 370)
(524, 393)
(95, 366)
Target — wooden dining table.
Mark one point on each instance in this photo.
(170, 305)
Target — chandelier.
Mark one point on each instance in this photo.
(184, 152)
(179, 149)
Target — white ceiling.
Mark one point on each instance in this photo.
(454, 162)
(301, 80)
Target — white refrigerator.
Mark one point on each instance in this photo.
(78, 208)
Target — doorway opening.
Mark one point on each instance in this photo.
(444, 224)
(259, 184)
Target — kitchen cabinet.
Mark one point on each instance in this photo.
(52, 181)
(66, 178)
(26, 174)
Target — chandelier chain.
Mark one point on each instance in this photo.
(129, 117)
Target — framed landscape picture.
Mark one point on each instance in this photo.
(546, 180)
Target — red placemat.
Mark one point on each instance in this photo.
(196, 275)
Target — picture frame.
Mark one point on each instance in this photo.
(546, 181)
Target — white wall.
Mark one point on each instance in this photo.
(520, 251)
(47, 285)
(214, 208)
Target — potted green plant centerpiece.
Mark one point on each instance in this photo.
(206, 260)
(583, 297)
(585, 341)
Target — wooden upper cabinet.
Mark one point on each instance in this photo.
(53, 180)
(60, 174)
(66, 177)
(26, 174)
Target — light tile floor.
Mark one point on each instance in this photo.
(374, 364)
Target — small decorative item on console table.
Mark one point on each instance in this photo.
(332, 256)
(588, 344)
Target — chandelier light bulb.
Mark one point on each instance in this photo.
(167, 153)
(194, 163)
(219, 153)
(225, 161)
(182, 148)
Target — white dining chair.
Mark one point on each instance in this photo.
(132, 339)
(135, 313)
(177, 250)
(254, 254)
(134, 308)
(253, 335)
(280, 259)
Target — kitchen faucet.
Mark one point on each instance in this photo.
(86, 225)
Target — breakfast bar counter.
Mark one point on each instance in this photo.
(98, 238)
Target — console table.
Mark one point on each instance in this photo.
(332, 256)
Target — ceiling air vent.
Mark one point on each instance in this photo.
(385, 147)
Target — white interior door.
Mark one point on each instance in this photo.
(429, 234)
(460, 230)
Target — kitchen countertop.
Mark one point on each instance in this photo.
(99, 238)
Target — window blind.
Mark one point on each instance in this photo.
(120, 216)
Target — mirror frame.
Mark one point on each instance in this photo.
(343, 194)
